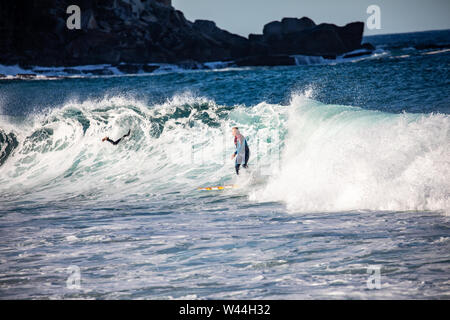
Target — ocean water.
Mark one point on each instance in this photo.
(346, 195)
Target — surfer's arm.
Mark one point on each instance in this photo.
(111, 141)
(239, 146)
(114, 142)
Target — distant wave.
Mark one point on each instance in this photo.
(100, 70)
(108, 70)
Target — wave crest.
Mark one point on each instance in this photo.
(346, 158)
(318, 157)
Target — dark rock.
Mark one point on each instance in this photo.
(351, 35)
(129, 68)
(205, 26)
(100, 72)
(149, 68)
(273, 30)
(302, 36)
(223, 44)
(255, 37)
(165, 2)
(367, 46)
(293, 25)
(138, 32)
(190, 65)
(323, 39)
(2, 75)
(274, 60)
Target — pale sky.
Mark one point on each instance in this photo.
(249, 16)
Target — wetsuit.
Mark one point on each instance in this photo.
(242, 152)
(118, 140)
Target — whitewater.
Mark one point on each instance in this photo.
(313, 157)
(344, 176)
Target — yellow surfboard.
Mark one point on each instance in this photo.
(229, 186)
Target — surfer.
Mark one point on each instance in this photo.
(118, 140)
(242, 152)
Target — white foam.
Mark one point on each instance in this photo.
(217, 64)
(436, 51)
(49, 73)
(304, 59)
(312, 60)
(185, 154)
(345, 158)
(317, 157)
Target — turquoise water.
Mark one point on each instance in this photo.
(349, 171)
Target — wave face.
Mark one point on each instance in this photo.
(317, 157)
(175, 146)
(346, 158)
(8, 143)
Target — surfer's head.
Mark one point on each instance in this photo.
(235, 131)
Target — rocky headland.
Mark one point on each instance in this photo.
(132, 34)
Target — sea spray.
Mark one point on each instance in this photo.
(313, 156)
(340, 158)
(179, 144)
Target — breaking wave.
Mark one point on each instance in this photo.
(313, 156)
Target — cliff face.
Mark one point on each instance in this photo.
(34, 32)
(303, 36)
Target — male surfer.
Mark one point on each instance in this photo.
(118, 140)
(242, 152)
